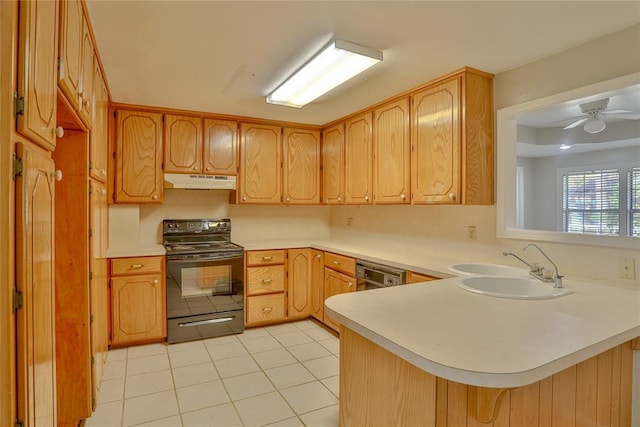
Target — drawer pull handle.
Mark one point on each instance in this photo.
(318, 256)
(267, 280)
(267, 258)
(137, 265)
(267, 309)
(336, 262)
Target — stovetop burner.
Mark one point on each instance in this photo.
(198, 236)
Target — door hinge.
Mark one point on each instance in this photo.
(18, 104)
(18, 300)
(17, 166)
(91, 318)
(91, 232)
(19, 423)
(61, 67)
(93, 360)
(93, 403)
(91, 272)
(90, 165)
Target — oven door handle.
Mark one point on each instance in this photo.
(206, 322)
(186, 259)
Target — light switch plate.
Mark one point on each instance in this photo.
(628, 268)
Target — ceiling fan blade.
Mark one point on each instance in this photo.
(629, 116)
(617, 111)
(576, 123)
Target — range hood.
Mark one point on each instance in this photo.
(199, 182)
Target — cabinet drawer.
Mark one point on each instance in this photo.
(265, 308)
(262, 280)
(266, 257)
(138, 265)
(413, 277)
(340, 263)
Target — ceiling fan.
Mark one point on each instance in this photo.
(595, 113)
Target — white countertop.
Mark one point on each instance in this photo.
(488, 341)
(135, 251)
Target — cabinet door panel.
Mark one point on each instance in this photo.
(137, 308)
(220, 147)
(358, 158)
(138, 157)
(336, 283)
(35, 274)
(71, 45)
(86, 89)
(37, 65)
(317, 284)
(183, 144)
(301, 166)
(333, 164)
(260, 163)
(436, 144)
(391, 153)
(99, 131)
(299, 286)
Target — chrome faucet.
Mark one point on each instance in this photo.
(557, 279)
(536, 270)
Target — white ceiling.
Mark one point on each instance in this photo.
(225, 56)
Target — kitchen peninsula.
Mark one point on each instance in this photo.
(433, 354)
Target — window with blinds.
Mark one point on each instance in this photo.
(634, 202)
(591, 202)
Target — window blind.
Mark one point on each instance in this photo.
(591, 202)
(634, 202)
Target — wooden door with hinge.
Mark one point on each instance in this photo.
(358, 160)
(317, 284)
(336, 283)
(301, 175)
(70, 55)
(333, 164)
(35, 280)
(435, 140)
(37, 71)
(299, 283)
(182, 144)
(220, 147)
(98, 149)
(98, 284)
(260, 164)
(391, 153)
(139, 177)
(86, 88)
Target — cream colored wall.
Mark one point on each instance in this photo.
(141, 225)
(601, 59)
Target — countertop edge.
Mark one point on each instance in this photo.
(485, 379)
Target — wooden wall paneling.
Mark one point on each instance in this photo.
(586, 392)
(220, 147)
(73, 341)
(37, 70)
(35, 278)
(524, 405)
(71, 47)
(358, 160)
(603, 400)
(333, 164)
(546, 402)
(442, 409)
(626, 386)
(616, 356)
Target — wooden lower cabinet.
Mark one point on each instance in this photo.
(336, 283)
(317, 284)
(265, 300)
(387, 390)
(299, 283)
(413, 277)
(264, 309)
(138, 300)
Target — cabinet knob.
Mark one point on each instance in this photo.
(195, 168)
(104, 172)
(318, 256)
(58, 175)
(339, 198)
(452, 196)
(244, 198)
(366, 198)
(402, 196)
(336, 262)
(86, 103)
(155, 281)
(59, 131)
(350, 284)
(208, 168)
(154, 197)
(288, 199)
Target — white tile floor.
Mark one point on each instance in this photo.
(281, 375)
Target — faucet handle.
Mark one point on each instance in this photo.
(536, 268)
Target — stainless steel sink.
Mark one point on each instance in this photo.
(511, 287)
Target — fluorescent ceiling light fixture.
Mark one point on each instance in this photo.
(336, 63)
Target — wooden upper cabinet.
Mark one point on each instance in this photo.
(452, 141)
(358, 160)
(86, 89)
(260, 163)
(37, 71)
(333, 164)
(301, 177)
(220, 147)
(391, 153)
(98, 149)
(436, 143)
(71, 48)
(183, 144)
(138, 157)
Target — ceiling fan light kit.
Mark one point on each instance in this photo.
(333, 65)
(594, 125)
(594, 114)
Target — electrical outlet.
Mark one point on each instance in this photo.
(471, 232)
(349, 222)
(627, 268)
